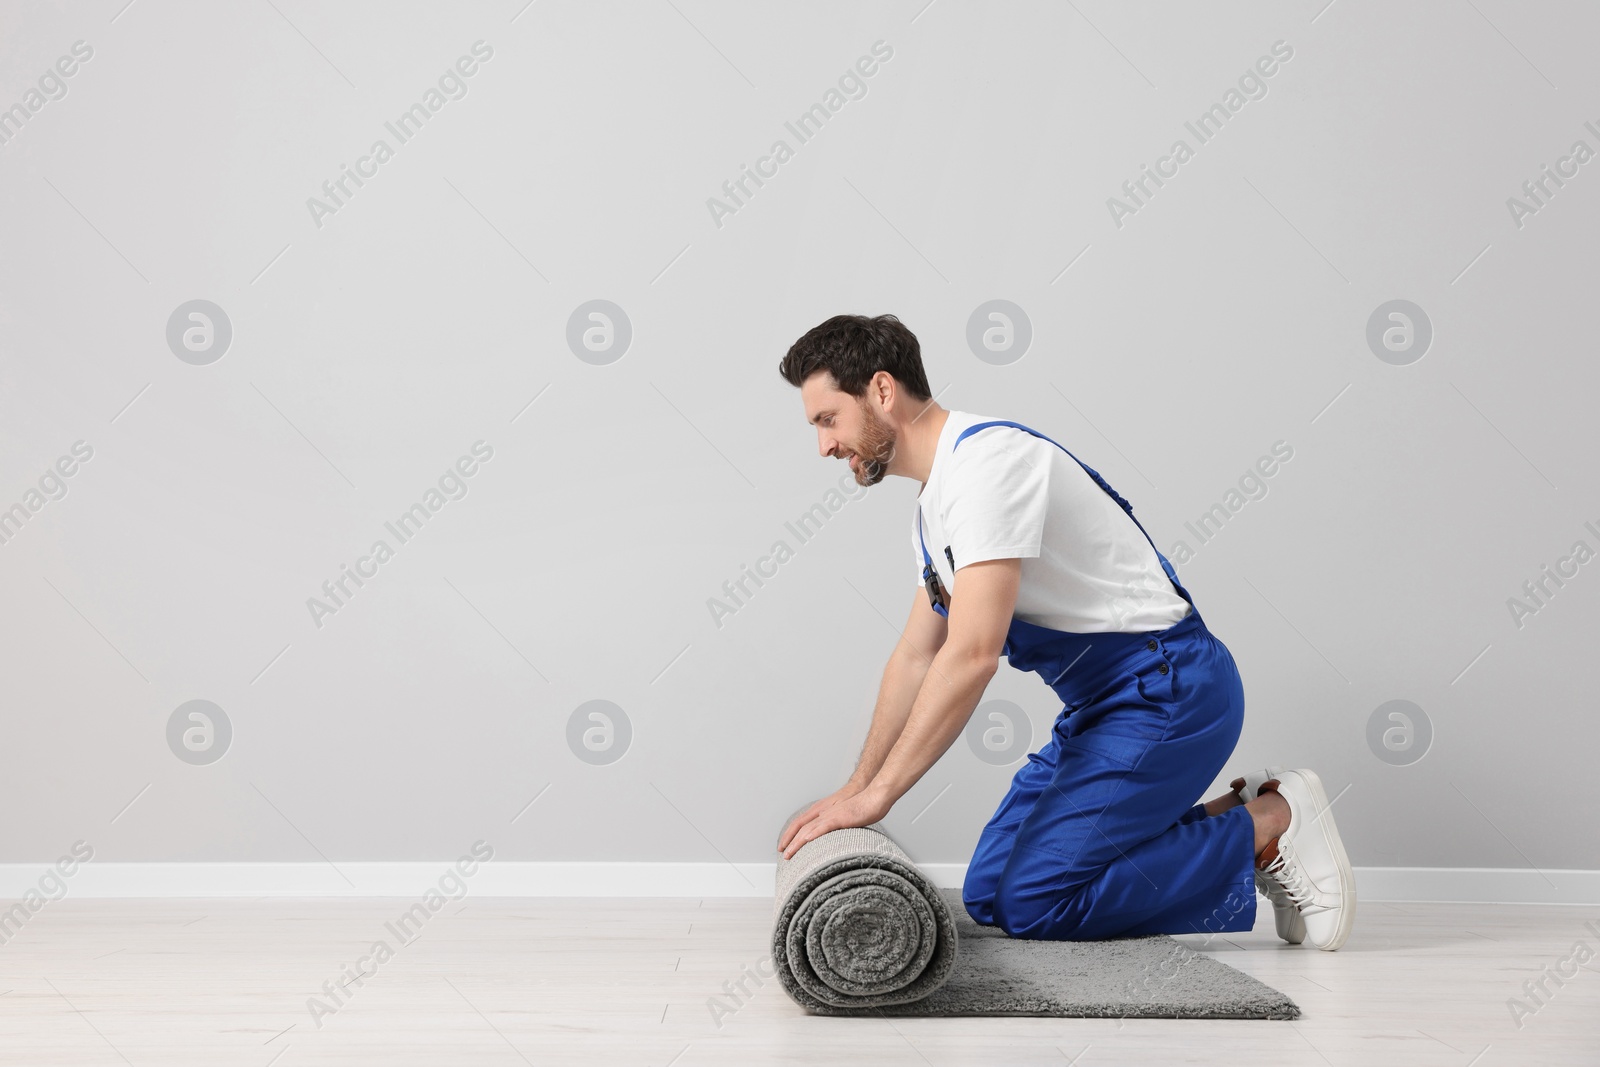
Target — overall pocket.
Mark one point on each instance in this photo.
(1122, 725)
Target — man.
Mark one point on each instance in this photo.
(1024, 551)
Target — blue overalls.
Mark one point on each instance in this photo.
(1099, 835)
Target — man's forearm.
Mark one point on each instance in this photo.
(950, 691)
(902, 678)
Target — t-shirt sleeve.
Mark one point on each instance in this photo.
(998, 495)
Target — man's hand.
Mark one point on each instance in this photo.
(861, 809)
(844, 792)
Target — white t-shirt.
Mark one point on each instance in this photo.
(1086, 567)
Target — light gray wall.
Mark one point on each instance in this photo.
(369, 352)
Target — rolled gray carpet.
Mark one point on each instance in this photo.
(859, 931)
(857, 925)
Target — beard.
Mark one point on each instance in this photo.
(876, 450)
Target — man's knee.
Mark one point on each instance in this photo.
(1025, 912)
(977, 895)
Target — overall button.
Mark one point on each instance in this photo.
(1151, 645)
(1162, 667)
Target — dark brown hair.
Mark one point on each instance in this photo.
(853, 348)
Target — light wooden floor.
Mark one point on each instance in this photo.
(499, 981)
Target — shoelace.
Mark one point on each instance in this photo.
(1290, 875)
(1273, 891)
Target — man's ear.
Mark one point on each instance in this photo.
(882, 387)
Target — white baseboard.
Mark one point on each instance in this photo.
(539, 879)
(1478, 885)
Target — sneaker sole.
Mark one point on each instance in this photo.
(1347, 876)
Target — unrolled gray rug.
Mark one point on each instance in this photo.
(859, 930)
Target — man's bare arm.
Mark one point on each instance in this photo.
(980, 616)
(981, 606)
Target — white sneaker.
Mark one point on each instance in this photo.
(1308, 860)
(1291, 927)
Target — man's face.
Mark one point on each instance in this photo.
(848, 428)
